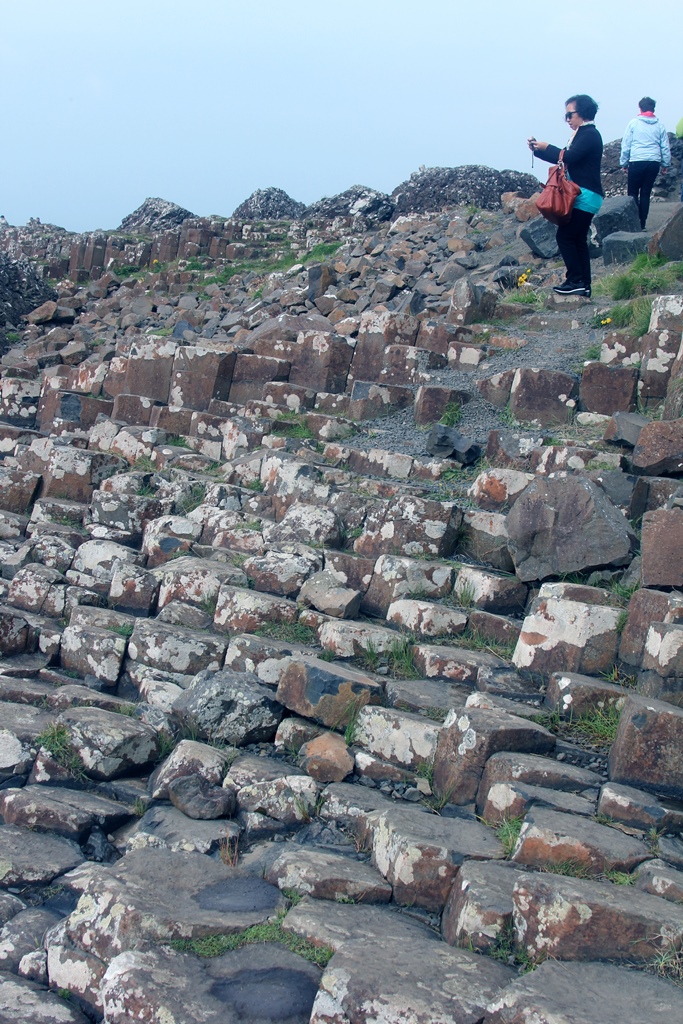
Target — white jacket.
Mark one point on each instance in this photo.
(645, 138)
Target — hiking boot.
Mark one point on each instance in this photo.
(569, 288)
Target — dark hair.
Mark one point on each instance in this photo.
(647, 103)
(586, 107)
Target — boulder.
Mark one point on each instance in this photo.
(232, 707)
(469, 738)
(619, 213)
(577, 919)
(542, 397)
(662, 548)
(455, 985)
(566, 524)
(539, 235)
(648, 749)
(624, 246)
(569, 993)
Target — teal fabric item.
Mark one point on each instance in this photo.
(588, 201)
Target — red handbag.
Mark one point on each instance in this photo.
(557, 198)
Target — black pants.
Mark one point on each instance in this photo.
(572, 241)
(642, 175)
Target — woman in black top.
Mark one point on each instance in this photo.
(582, 160)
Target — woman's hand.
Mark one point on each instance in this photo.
(535, 146)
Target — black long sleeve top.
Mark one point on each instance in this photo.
(582, 159)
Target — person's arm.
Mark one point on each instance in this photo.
(665, 148)
(626, 146)
(544, 151)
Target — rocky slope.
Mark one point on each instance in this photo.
(341, 627)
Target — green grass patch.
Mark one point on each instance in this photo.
(127, 270)
(508, 834)
(619, 877)
(647, 275)
(191, 500)
(217, 945)
(56, 739)
(473, 640)
(289, 633)
(507, 952)
(291, 427)
(123, 629)
(633, 316)
(571, 868)
(452, 415)
(401, 657)
(598, 726)
(526, 296)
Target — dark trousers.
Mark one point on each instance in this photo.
(572, 241)
(642, 175)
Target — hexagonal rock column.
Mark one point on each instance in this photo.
(566, 524)
(455, 985)
(576, 919)
(258, 982)
(330, 694)
(108, 744)
(648, 749)
(564, 635)
(662, 548)
(469, 738)
(567, 993)
(160, 895)
(232, 707)
(550, 838)
(543, 397)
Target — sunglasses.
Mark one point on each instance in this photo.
(569, 115)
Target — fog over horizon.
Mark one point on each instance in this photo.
(107, 107)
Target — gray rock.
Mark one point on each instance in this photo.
(258, 983)
(454, 984)
(571, 993)
(197, 798)
(619, 213)
(165, 895)
(623, 246)
(539, 235)
(269, 204)
(170, 828)
(562, 525)
(28, 858)
(233, 707)
(434, 188)
(155, 215)
(22, 934)
(374, 207)
(22, 1002)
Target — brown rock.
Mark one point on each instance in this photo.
(469, 738)
(545, 397)
(331, 694)
(478, 910)
(569, 993)
(326, 758)
(659, 450)
(550, 839)
(576, 919)
(648, 749)
(608, 389)
(662, 548)
(431, 401)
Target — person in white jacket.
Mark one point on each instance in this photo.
(644, 150)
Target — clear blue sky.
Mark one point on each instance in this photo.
(107, 103)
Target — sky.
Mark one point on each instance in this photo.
(105, 104)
